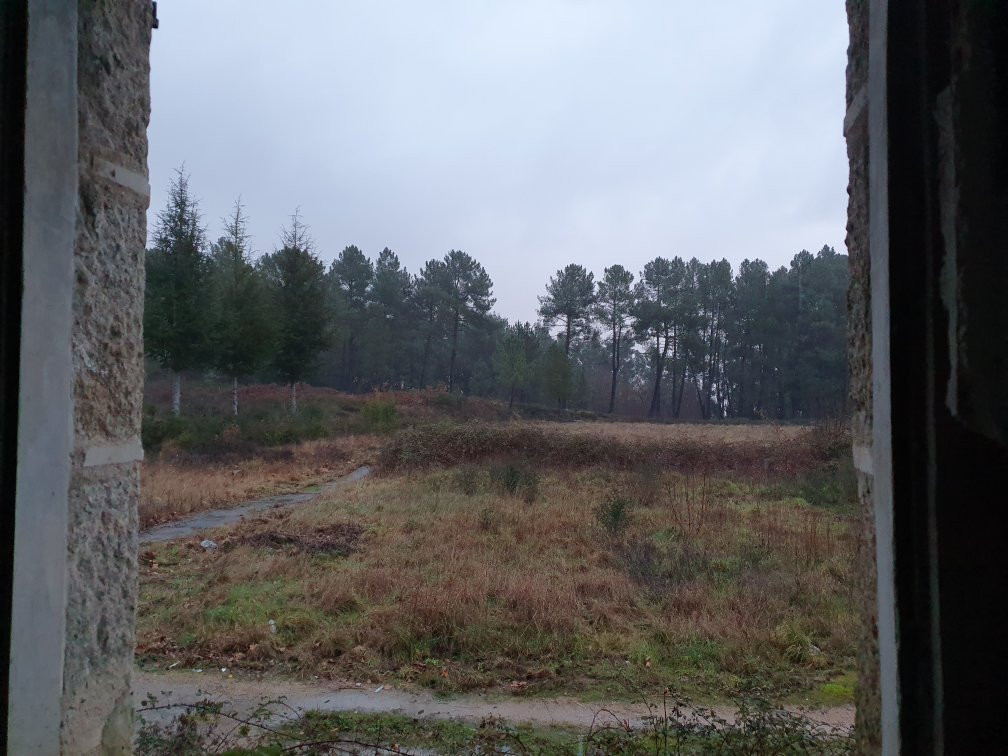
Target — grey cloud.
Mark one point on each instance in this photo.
(530, 134)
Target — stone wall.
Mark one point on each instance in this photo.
(859, 355)
(114, 109)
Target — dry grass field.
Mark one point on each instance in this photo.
(538, 558)
(702, 432)
(176, 484)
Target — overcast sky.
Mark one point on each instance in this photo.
(529, 133)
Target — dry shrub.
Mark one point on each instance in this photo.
(448, 444)
(339, 539)
(333, 595)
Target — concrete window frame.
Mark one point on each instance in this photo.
(45, 405)
(938, 690)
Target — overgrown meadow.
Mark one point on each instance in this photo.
(525, 556)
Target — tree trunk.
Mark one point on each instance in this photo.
(294, 408)
(451, 362)
(423, 365)
(672, 370)
(234, 396)
(511, 403)
(615, 369)
(567, 343)
(655, 409)
(741, 394)
(176, 393)
(350, 367)
(682, 390)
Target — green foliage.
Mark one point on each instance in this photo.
(613, 514)
(830, 485)
(675, 726)
(660, 566)
(468, 479)
(833, 486)
(613, 307)
(379, 415)
(176, 315)
(557, 375)
(223, 433)
(516, 479)
(464, 291)
(242, 334)
(756, 344)
(569, 297)
(296, 279)
(662, 319)
(511, 359)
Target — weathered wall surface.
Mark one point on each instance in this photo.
(859, 355)
(114, 108)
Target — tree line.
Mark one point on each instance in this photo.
(681, 338)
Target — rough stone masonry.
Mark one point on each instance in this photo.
(868, 723)
(113, 111)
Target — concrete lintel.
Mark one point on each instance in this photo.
(124, 177)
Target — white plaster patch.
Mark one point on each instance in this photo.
(863, 459)
(857, 107)
(135, 182)
(114, 454)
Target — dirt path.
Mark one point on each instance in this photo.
(216, 518)
(244, 695)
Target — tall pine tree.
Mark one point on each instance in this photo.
(296, 278)
(176, 308)
(242, 334)
(569, 297)
(466, 298)
(613, 307)
(353, 275)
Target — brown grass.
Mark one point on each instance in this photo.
(723, 433)
(715, 582)
(756, 451)
(175, 484)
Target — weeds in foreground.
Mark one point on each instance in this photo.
(673, 726)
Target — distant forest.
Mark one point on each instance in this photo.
(678, 339)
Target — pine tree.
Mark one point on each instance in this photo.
(465, 289)
(428, 292)
(657, 297)
(569, 297)
(511, 358)
(390, 317)
(353, 274)
(242, 336)
(557, 375)
(296, 277)
(176, 309)
(613, 307)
